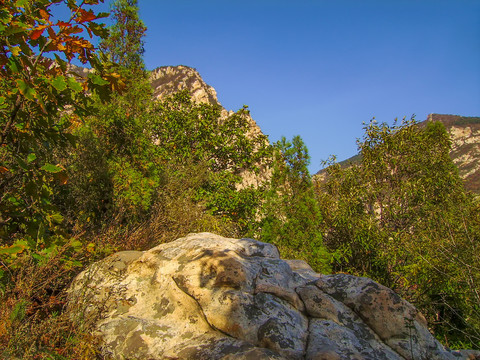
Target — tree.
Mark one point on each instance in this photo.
(401, 216)
(41, 100)
(111, 168)
(125, 45)
(290, 216)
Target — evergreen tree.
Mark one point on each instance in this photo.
(290, 215)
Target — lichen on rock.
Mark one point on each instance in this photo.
(209, 297)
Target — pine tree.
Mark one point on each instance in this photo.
(290, 214)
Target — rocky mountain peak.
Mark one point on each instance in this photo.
(167, 80)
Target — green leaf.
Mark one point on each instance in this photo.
(26, 90)
(22, 164)
(21, 3)
(59, 83)
(31, 157)
(76, 244)
(61, 63)
(51, 168)
(56, 218)
(98, 29)
(74, 85)
(12, 250)
(97, 80)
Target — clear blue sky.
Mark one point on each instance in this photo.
(319, 68)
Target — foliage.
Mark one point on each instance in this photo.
(402, 217)
(200, 134)
(290, 215)
(125, 45)
(41, 100)
(36, 94)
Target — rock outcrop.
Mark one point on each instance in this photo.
(210, 297)
(167, 80)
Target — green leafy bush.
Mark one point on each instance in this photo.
(402, 217)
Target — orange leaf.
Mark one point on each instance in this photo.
(3, 169)
(37, 33)
(45, 15)
(85, 16)
(72, 30)
(63, 24)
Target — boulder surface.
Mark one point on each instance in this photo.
(209, 297)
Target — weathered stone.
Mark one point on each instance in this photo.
(209, 297)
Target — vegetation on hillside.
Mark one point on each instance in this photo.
(91, 165)
(402, 217)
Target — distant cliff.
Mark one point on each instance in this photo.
(167, 80)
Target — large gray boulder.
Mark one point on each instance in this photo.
(209, 297)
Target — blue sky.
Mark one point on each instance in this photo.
(319, 68)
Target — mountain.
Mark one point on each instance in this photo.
(167, 80)
(465, 136)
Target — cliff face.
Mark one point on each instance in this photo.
(167, 80)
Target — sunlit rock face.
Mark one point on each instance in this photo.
(167, 80)
(209, 297)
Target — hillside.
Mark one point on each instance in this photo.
(167, 80)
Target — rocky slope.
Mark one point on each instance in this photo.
(167, 80)
(209, 297)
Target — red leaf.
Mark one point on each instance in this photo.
(36, 33)
(85, 16)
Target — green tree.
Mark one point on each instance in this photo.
(41, 100)
(113, 174)
(200, 135)
(390, 214)
(125, 45)
(290, 215)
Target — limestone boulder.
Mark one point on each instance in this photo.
(209, 297)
